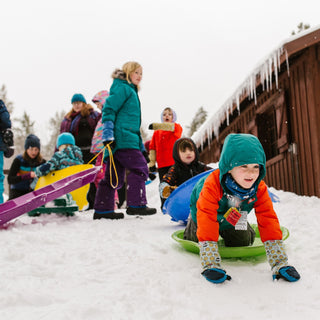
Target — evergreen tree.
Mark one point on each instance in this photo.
(198, 120)
(301, 27)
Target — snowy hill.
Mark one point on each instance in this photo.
(76, 268)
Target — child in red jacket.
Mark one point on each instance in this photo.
(163, 139)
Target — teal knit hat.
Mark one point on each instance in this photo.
(65, 138)
(78, 97)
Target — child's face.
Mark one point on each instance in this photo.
(136, 76)
(77, 106)
(167, 116)
(99, 105)
(187, 156)
(246, 175)
(32, 152)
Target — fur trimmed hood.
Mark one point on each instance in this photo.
(119, 74)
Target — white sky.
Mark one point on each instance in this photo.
(193, 53)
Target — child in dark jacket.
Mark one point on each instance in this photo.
(21, 173)
(68, 155)
(186, 166)
(221, 201)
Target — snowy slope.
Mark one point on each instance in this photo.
(76, 268)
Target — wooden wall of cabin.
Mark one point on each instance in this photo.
(304, 113)
(293, 152)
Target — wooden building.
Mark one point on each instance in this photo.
(280, 104)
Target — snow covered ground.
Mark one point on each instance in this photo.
(62, 268)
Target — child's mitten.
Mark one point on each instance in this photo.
(166, 126)
(278, 261)
(288, 273)
(152, 162)
(167, 190)
(216, 275)
(210, 262)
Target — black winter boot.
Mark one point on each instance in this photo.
(109, 215)
(141, 211)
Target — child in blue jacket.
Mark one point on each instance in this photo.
(68, 155)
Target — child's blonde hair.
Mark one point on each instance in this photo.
(130, 67)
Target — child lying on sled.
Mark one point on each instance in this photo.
(186, 165)
(221, 201)
(68, 154)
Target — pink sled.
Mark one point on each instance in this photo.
(35, 199)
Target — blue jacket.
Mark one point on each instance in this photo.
(65, 158)
(5, 123)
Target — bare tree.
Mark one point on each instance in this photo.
(54, 129)
(24, 127)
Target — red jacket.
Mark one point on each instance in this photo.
(162, 142)
(208, 204)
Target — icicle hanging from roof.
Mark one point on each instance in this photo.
(264, 71)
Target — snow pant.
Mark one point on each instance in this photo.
(231, 236)
(1, 177)
(132, 160)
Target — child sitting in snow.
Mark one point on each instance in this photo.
(21, 174)
(220, 204)
(186, 166)
(68, 154)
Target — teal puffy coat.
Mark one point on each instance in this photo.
(122, 108)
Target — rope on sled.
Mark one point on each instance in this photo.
(112, 164)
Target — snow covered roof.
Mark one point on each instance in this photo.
(261, 74)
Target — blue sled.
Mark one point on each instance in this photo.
(178, 203)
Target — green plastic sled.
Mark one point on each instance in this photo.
(256, 249)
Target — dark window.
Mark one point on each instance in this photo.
(267, 132)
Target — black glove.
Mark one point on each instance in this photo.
(8, 153)
(288, 273)
(153, 169)
(152, 176)
(111, 143)
(7, 136)
(216, 275)
(146, 155)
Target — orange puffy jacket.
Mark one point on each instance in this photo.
(208, 205)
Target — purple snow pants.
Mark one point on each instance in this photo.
(134, 161)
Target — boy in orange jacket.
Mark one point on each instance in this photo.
(223, 201)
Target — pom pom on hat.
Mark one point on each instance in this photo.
(65, 138)
(32, 141)
(78, 97)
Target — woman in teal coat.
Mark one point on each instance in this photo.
(121, 118)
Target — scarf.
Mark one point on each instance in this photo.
(237, 190)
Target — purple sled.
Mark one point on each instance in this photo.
(35, 199)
